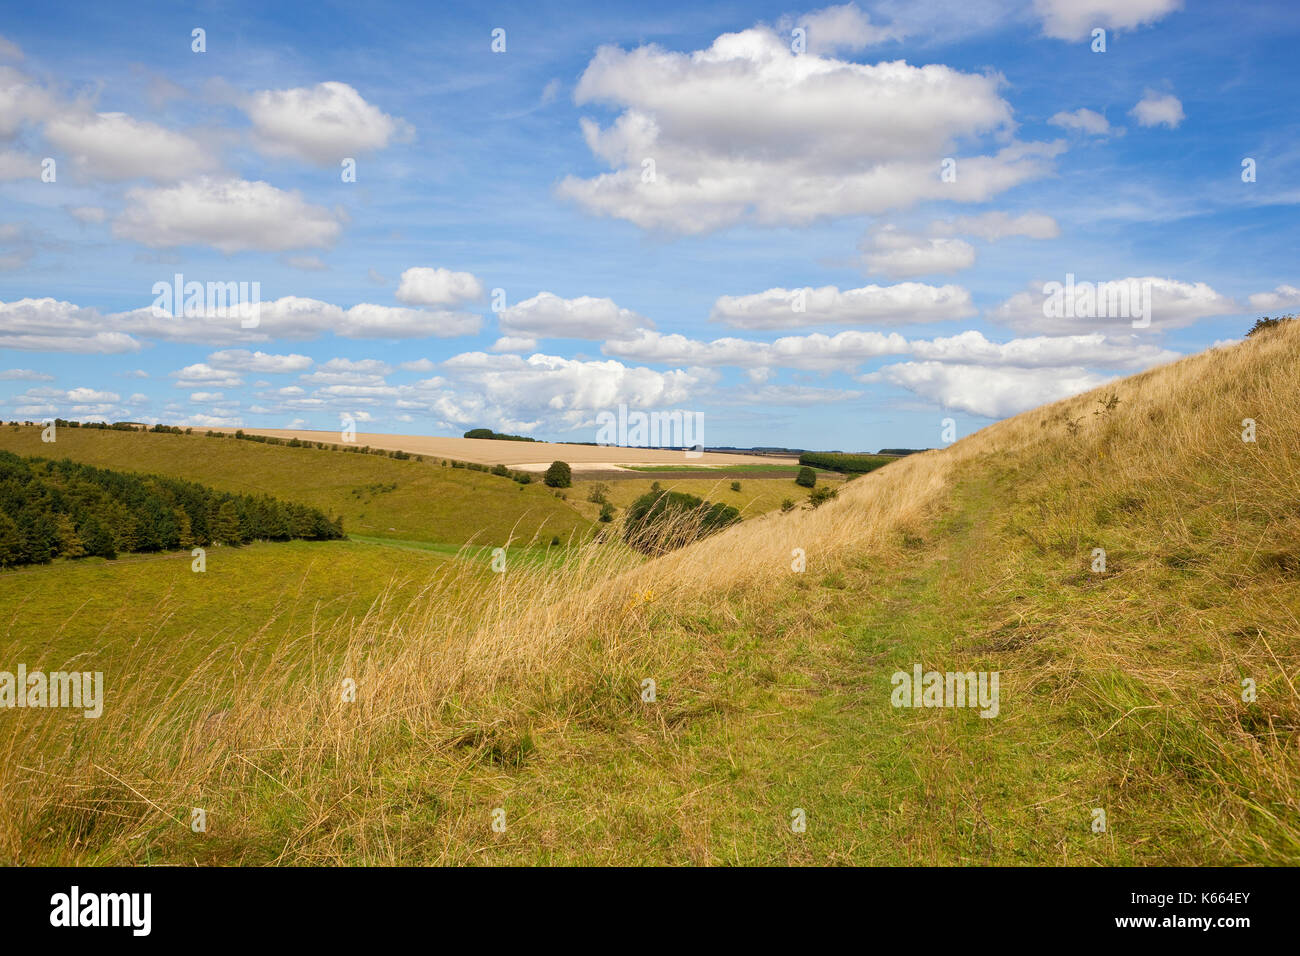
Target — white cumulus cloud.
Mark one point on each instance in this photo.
(547, 315)
(843, 27)
(817, 351)
(1174, 304)
(202, 375)
(1076, 19)
(322, 124)
(51, 325)
(1283, 297)
(513, 343)
(991, 392)
(22, 101)
(1084, 120)
(230, 215)
(566, 392)
(246, 361)
(901, 304)
(891, 252)
(115, 146)
(1157, 109)
(387, 322)
(438, 287)
(747, 129)
(1094, 351)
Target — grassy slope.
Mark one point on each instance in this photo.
(756, 470)
(114, 616)
(756, 496)
(430, 503)
(1119, 691)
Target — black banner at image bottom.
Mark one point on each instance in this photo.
(331, 906)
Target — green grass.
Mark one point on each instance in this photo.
(804, 722)
(377, 497)
(779, 706)
(789, 707)
(542, 553)
(705, 469)
(105, 614)
(756, 496)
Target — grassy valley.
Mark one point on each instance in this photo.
(1159, 688)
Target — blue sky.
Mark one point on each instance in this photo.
(693, 207)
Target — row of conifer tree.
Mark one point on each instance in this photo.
(52, 509)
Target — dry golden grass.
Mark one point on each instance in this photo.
(456, 672)
(480, 665)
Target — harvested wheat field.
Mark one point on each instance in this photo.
(532, 456)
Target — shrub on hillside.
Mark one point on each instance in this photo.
(661, 521)
(559, 475)
(806, 477)
(819, 496)
(1264, 324)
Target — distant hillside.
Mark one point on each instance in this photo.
(376, 496)
(62, 509)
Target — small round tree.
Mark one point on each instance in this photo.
(806, 477)
(559, 475)
(661, 521)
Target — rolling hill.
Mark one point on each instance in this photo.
(687, 708)
(376, 496)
